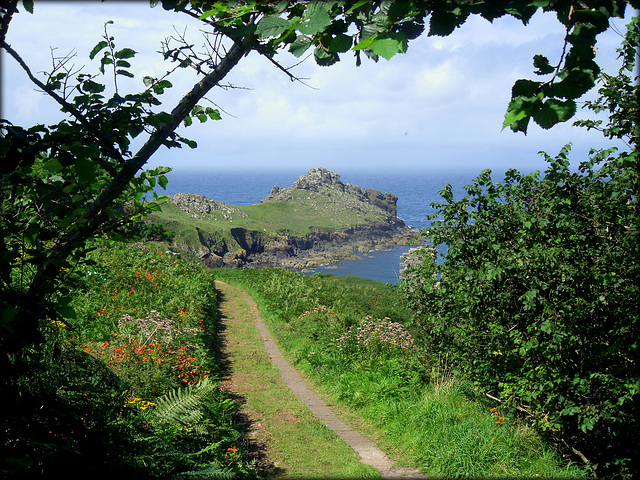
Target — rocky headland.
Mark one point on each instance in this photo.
(319, 220)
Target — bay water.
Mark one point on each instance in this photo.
(415, 190)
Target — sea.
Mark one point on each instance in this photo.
(416, 192)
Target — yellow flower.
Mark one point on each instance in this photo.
(58, 323)
(141, 404)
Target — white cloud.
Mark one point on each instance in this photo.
(448, 95)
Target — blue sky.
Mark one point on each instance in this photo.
(440, 105)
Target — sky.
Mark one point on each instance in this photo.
(441, 105)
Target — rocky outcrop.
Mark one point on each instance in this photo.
(322, 247)
(243, 247)
(197, 206)
(321, 180)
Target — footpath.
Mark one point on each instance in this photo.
(368, 452)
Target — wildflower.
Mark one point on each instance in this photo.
(232, 449)
(58, 323)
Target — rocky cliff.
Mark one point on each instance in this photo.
(322, 221)
(320, 180)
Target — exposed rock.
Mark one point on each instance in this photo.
(253, 248)
(197, 206)
(318, 179)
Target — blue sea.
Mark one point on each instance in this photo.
(415, 190)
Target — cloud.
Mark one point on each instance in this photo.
(442, 102)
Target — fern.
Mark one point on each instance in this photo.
(182, 406)
(213, 472)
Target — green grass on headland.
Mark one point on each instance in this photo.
(305, 212)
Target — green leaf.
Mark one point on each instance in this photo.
(162, 181)
(554, 111)
(272, 26)
(188, 142)
(541, 63)
(92, 87)
(358, 4)
(209, 13)
(124, 73)
(387, 47)
(85, 169)
(102, 44)
(159, 119)
(444, 23)
(324, 58)
(28, 5)
(315, 18)
(214, 113)
(53, 166)
(525, 88)
(125, 53)
(366, 43)
(518, 114)
(300, 45)
(340, 43)
(159, 87)
(148, 80)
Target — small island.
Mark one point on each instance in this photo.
(318, 220)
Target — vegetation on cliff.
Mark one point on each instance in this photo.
(319, 217)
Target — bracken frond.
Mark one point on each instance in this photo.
(182, 406)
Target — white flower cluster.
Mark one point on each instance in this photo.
(379, 332)
(153, 325)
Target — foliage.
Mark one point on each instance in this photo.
(537, 298)
(384, 28)
(420, 412)
(103, 396)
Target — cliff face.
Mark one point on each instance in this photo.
(320, 192)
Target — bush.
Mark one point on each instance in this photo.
(537, 299)
(127, 386)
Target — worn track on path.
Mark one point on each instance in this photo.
(369, 453)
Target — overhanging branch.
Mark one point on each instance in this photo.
(96, 214)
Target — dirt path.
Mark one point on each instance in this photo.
(368, 452)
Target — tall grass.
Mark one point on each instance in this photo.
(144, 336)
(339, 331)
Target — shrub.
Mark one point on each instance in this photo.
(537, 299)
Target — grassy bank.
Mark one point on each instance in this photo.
(352, 338)
(128, 387)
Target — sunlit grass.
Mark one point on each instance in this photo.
(420, 416)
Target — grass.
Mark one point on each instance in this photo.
(420, 417)
(298, 444)
(304, 213)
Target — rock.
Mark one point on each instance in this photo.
(244, 247)
(197, 206)
(321, 180)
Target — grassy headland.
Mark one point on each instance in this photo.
(318, 214)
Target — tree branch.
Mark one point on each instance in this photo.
(97, 212)
(105, 142)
